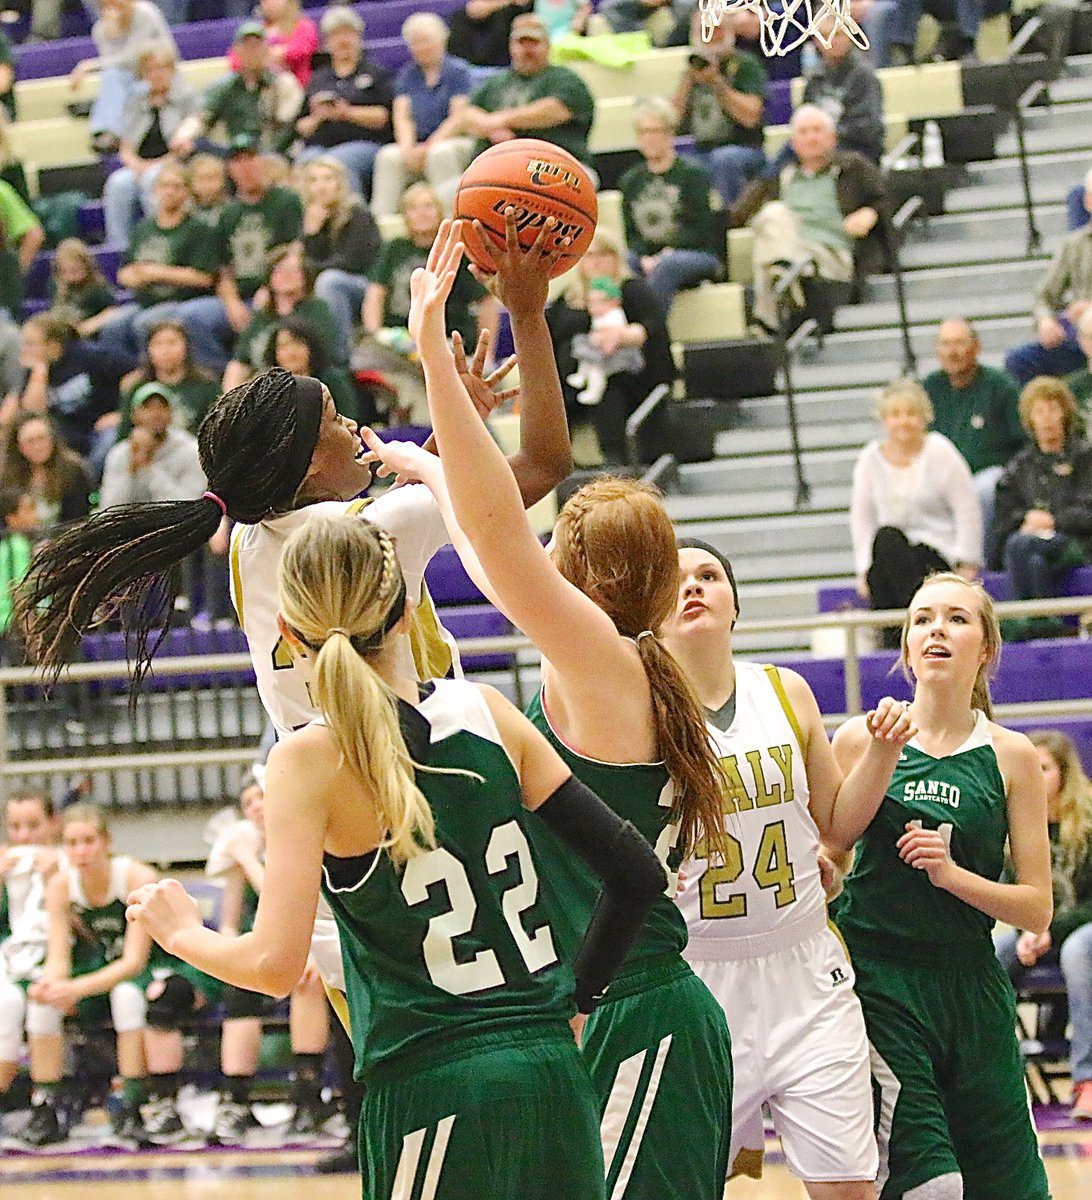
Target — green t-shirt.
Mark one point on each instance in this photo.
(15, 555)
(187, 244)
(706, 119)
(245, 110)
(397, 261)
(253, 343)
(814, 200)
(891, 910)
(87, 300)
(668, 210)
(982, 421)
(509, 90)
(250, 233)
(460, 942)
(15, 214)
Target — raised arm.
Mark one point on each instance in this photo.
(569, 628)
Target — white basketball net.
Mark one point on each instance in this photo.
(790, 24)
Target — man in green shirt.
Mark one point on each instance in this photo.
(976, 407)
(665, 208)
(533, 99)
(721, 99)
(261, 218)
(170, 259)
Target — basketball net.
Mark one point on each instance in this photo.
(788, 26)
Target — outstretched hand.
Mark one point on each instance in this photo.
(482, 389)
(521, 281)
(406, 461)
(431, 285)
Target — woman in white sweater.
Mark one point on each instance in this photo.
(914, 508)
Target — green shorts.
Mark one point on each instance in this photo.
(948, 1079)
(512, 1118)
(660, 1057)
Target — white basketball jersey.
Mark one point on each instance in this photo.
(767, 892)
(409, 514)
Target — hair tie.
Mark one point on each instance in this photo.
(216, 500)
(643, 634)
(338, 629)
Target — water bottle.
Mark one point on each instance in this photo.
(932, 145)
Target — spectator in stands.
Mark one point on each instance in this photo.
(81, 293)
(428, 90)
(976, 407)
(956, 42)
(36, 462)
(386, 347)
(261, 218)
(18, 531)
(170, 259)
(296, 346)
(1080, 382)
(1043, 515)
(256, 101)
(721, 99)
(11, 166)
(95, 971)
(157, 461)
(27, 860)
(207, 180)
(913, 509)
(237, 857)
(77, 383)
(349, 102)
(631, 16)
(121, 34)
(1068, 941)
(155, 109)
(646, 330)
(824, 208)
(666, 209)
(532, 99)
(563, 17)
(341, 241)
(480, 32)
(289, 292)
(21, 237)
(292, 38)
(845, 86)
(168, 362)
(1064, 295)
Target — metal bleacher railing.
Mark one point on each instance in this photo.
(196, 727)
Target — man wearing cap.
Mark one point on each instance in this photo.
(348, 103)
(256, 99)
(533, 99)
(158, 460)
(261, 218)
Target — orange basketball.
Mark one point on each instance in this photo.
(538, 180)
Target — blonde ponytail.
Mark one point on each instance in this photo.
(362, 713)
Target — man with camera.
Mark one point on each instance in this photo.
(720, 100)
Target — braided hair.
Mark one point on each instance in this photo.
(255, 444)
(614, 541)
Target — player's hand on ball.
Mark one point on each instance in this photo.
(482, 388)
(431, 284)
(890, 722)
(521, 281)
(926, 850)
(164, 909)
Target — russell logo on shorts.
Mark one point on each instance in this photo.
(838, 976)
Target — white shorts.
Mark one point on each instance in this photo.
(798, 1045)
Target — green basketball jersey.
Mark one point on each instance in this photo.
(893, 909)
(458, 942)
(98, 931)
(641, 793)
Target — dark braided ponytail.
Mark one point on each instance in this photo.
(255, 445)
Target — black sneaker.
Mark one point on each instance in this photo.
(43, 1129)
(161, 1120)
(233, 1121)
(128, 1125)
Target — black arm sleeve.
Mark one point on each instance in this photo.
(633, 878)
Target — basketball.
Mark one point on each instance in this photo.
(538, 180)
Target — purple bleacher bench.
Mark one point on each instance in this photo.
(177, 643)
(477, 621)
(448, 582)
(839, 597)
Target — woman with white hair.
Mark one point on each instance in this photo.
(348, 103)
(431, 87)
(914, 508)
